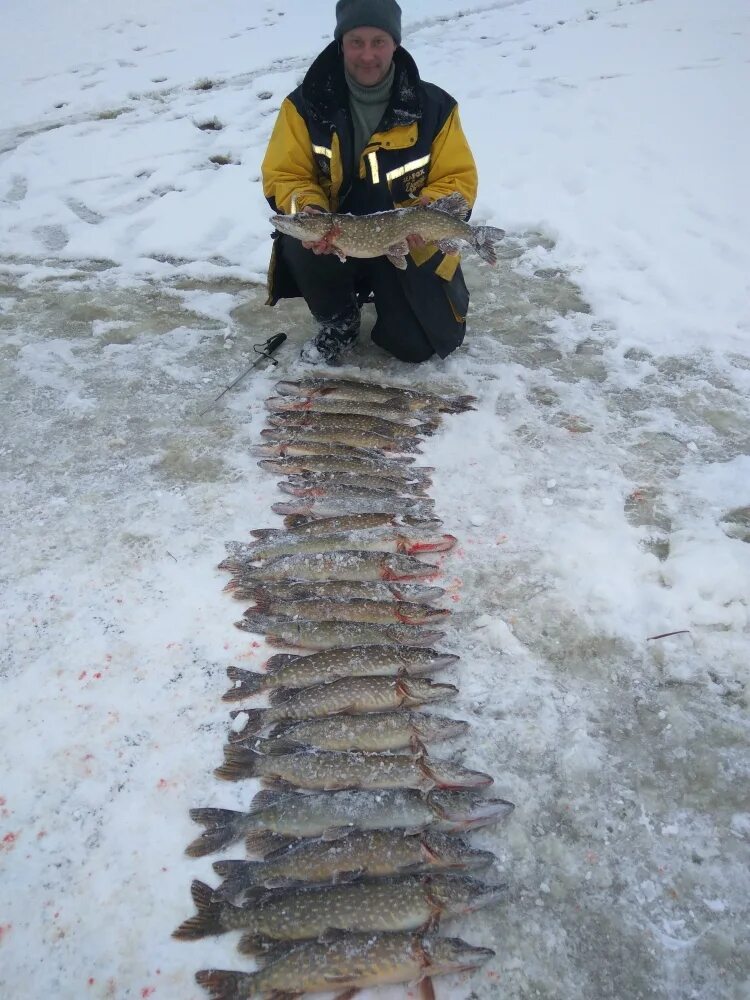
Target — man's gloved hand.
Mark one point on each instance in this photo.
(317, 246)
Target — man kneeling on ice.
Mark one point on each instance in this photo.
(361, 134)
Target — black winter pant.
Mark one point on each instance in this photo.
(415, 314)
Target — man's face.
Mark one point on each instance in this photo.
(368, 54)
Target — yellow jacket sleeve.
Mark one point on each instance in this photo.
(452, 166)
(290, 180)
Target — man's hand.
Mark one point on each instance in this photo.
(415, 241)
(317, 246)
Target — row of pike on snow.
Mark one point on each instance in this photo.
(358, 828)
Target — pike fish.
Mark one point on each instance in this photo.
(303, 527)
(278, 818)
(321, 483)
(417, 509)
(368, 854)
(306, 421)
(316, 448)
(376, 732)
(333, 771)
(344, 564)
(351, 489)
(390, 410)
(384, 233)
(409, 903)
(349, 695)
(319, 635)
(289, 671)
(375, 392)
(347, 463)
(356, 610)
(351, 962)
(334, 590)
(384, 539)
(347, 436)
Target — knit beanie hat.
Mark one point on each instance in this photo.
(383, 14)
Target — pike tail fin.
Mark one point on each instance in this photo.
(223, 827)
(250, 683)
(253, 723)
(483, 239)
(239, 763)
(208, 918)
(222, 985)
(278, 661)
(238, 876)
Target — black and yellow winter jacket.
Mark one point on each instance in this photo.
(418, 150)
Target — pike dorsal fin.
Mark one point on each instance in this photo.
(452, 204)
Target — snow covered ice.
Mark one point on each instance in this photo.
(600, 491)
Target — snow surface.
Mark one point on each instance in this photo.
(599, 491)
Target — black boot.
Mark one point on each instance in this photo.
(334, 338)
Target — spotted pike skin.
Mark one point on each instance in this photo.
(380, 539)
(372, 854)
(361, 391)
(347, 436)
(326, 666)
(371, 733)
(310, 420)
(329, 525)
(331, 771)
(297, 634)
(331, 815)
(304, 483)
(351, 695)
(335, 590)
(345, 564)
(389, 410)
(356, 610)
(352, 961)
(407, 903)
(420, 509)
(339, 462)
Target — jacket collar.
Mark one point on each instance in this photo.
(326, 94)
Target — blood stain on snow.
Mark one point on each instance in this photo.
(9, 841)
(147, 991)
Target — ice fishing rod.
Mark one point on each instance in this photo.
(265, 350)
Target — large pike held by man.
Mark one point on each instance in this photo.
(350, 962)
(383, 234)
